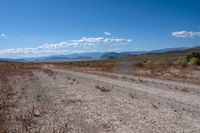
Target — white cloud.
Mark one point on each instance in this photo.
(86, 42)
(186, 34)
(3, 35)
(67, 46)
(107, 33)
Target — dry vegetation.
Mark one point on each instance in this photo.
(100, 65)
(9, 96)
(103, 88)
(171, 66)
(15, 117)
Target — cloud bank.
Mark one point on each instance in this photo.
(67, 46)
(186, 34)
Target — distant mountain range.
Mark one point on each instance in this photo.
(11, 60)
(96, 55)
(123, 54)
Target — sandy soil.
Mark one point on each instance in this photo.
(86, 103)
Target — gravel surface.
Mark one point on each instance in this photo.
(90, 103)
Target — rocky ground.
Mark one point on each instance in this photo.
(85, 103)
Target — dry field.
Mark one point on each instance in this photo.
(58, 98)
(165, 66)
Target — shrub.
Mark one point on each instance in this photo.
(180, 61)
(193, 54)
(139, 64)
(102, 88)
(194, 61)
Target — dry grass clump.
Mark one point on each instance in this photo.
(26, 121)
(49, 72)
(133, 95)
(64, 129)
(154, 105)
(185, 90)
(103, 88)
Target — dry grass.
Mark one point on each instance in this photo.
(22, 121)
(103, 88)
(8, 100)
(101, 65)
(170, 66)
(49, 72)
(133, 95)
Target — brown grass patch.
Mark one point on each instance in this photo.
(103, 88)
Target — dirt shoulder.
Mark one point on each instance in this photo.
(178, 73)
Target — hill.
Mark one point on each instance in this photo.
(101, 55)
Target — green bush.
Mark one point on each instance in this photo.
(194, 61)
(193, 54)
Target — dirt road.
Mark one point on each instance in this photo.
(91, 103)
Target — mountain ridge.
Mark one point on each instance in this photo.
(97, 55)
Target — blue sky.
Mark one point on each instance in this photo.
(45, 27)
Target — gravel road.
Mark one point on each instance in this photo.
(165, 93)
